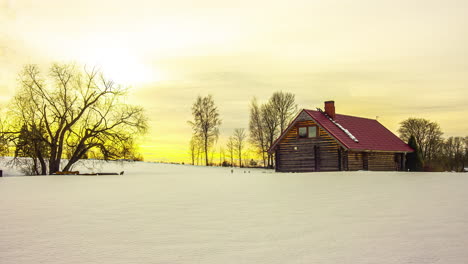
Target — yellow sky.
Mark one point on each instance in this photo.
(392, 59)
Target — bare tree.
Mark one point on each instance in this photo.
(239, 143)
(268, 121)
(74, 111)
(452, 154)
(222, 157)
(4, 140)
(193, 149)
(465, 160)
(285, 107)
(230, 148)
(428, 135)
(271, 128)
(206, 123)
(257, 131)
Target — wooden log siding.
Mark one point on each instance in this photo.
(355, 161)
(376, 161)
(382, 161)
(298, 154)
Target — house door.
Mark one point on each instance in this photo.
(365, 161)
(317, 158)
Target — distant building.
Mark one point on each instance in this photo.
(326, 141)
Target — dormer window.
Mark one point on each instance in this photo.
(307, 131)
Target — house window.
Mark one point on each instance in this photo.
(302, 132)
(312, 131)
(307, 131)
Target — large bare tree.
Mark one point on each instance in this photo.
(70, 113)
(285, 107)
(240, 137)
(206, 122)
(428, 135)
(269, 120)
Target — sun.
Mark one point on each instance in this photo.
(121, 66)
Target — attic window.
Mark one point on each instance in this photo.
(307, 131)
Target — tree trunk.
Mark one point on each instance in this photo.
(206, 152)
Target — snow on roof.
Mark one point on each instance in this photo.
(340, 126)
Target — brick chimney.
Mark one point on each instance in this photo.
(330, 108)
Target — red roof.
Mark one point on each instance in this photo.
(371, 135)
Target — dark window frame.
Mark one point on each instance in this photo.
(307, 131)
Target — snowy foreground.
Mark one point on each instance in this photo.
(158, 213)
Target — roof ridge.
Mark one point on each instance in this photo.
(347, 115)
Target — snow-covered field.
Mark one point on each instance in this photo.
(159, 213)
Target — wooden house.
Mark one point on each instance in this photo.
(326, 141)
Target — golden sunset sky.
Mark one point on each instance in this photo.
(391, 59)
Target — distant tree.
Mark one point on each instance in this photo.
(257, 130)
(253, 163)
(4, 139)
(285, 107)
(230, 146)
(222, 156)
(270, 126)
(414, 160)
(239, 143)
(427, 134)
(465, 160)
(453, 153)
(206, 123)
(4, 149)
(72, 113)
(193, 148)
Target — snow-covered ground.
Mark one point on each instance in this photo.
(158, 213)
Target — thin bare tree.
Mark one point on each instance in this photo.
(193, 148)
(222, 157)
(257, 130)
(240, 137)
(230, 146)
(271, 128)
(206, 122)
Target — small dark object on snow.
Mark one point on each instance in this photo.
(122, 172)
(232, 171)
(1, 173)
(66, 173)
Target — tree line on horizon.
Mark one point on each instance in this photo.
(433, 152)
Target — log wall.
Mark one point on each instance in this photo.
(374, 161)
(382, 161)
(355, 161)
(295, 154)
